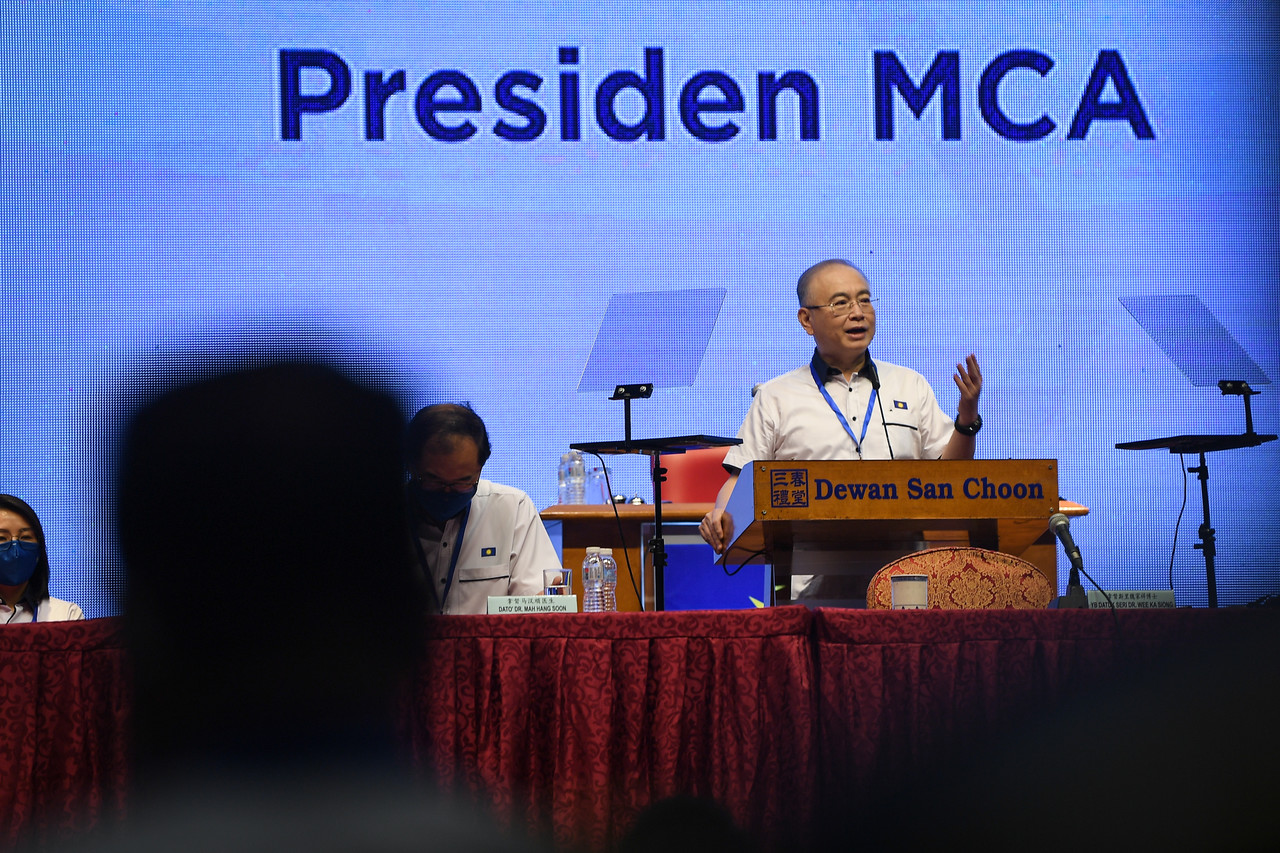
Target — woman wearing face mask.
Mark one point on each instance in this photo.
(24, 569)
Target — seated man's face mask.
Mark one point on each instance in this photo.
(442, 504)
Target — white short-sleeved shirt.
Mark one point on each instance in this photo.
(50, 610)
(504, 549)
(790, 419)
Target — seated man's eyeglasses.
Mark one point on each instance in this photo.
(433, 484)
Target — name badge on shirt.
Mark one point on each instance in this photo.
(488, 552)
(899, 404)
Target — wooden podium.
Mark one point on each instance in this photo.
(782, 509)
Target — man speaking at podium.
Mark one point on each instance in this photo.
(844, 405)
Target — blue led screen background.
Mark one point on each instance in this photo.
(154, 205)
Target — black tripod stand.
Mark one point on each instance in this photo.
(1203, 444)
(653, 448)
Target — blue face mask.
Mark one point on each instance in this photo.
(442, 506)
(18, 561)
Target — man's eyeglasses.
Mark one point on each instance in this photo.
(432, 484)
(842, 306)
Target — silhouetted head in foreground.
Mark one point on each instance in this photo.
(686, 824)
(270, 609)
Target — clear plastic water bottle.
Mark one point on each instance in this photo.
(592, 582)
(597, 491)
(609, 580)
(573, 478)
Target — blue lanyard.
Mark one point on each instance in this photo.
(866, 419)
(453, 561)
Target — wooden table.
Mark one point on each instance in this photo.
(584, 525)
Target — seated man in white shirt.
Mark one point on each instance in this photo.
(473, 538)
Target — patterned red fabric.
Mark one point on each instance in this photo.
(793, 719)
(965, 579)
(64, 709)
(590, 718)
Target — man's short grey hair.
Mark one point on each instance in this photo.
(802, 285)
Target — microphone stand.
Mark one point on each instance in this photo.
(875, 387)
(1075, 599)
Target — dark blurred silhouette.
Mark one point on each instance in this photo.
(1180, 755)
(270, 605)
(685, 824)
(272, 617)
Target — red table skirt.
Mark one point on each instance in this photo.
(569, 725)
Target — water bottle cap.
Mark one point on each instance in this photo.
(605, 552)
(593, 549)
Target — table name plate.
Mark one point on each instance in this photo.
(503, 604)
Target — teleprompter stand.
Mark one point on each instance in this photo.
(653, 448)
(640, 336)
(1203, 444)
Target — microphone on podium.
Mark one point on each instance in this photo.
(1075, 597)
(874, 376)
